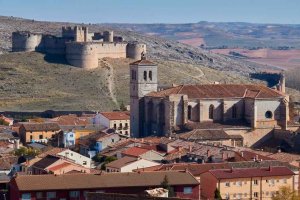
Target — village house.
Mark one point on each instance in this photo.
(139, 152)
(57, 165)
(76, 186)
(38, 132)
(75, 157)
(75, 127)
(95, 143)
(128, 164)
(249, 183)
(118, 121)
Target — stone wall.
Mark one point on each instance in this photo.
(25, 41)
(134, 50)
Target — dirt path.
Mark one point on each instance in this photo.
(110, 80)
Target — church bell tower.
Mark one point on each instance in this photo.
(143, 80)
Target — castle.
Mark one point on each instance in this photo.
(249, 111)
(81, 48)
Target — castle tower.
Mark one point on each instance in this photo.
(143, 80)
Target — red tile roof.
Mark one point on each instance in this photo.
(251, 172)
(135, 151)
(220, 91)
(60, 166)
(104, 180)
(143, 62)
(116, 115)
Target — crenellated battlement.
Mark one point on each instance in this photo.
(81, 48)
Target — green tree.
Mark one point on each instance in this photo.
(23, 151)
(107, 160)
(218, 194)
(165, 184)
(286, 193)
(123, 107)
(3, 122)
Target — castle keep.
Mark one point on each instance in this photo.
(81, 48)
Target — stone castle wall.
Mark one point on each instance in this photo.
(81, 48)
(25, 41)
(135, 50)
(86, 55)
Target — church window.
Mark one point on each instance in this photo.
(145, 75)
(150, 75)
(133, 75)
(269, 114)
(189, 112)
(234, 112)
(211, 111)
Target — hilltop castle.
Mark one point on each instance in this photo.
(81, 48)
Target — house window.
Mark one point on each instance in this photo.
(227, 184)
(74, 194)
(189, 112)
(239, 183)
(211, 111)
(234, 112)
(255, 194)
(255, 182)
(84, 163)
(187, 190)
(145, 75)
(121, 125)
(115, 126)
(39, 195)
(150, 75)
(284, 180)
(112, 140)
(51, 195)
(126, 124)
(269, 114)
(40, 137)
(26, 196)
(31, 137)
(126, 132)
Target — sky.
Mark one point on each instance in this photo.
(155, 11)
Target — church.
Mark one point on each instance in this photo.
(160, 112)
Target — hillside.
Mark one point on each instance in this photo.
(35, 82)
(224, 34)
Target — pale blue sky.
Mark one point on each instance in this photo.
(155, 11)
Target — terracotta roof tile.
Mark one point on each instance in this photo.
(220, 91)
(60, 166)
(143, 62)
(41, 126)
(121, 162)
(105, 180)
(116, 115)
(251, 172)
(135, 151)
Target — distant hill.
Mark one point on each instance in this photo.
(36, 82)
(218, 35)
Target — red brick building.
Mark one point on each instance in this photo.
(76, 186)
